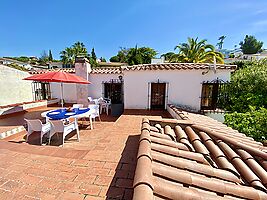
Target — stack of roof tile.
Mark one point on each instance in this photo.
(198, 158)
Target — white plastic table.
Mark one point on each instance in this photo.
(75, 117)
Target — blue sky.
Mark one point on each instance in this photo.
(30, 26)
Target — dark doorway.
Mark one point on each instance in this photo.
(158, 93)
(114, 91)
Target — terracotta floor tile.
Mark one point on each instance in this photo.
(84, 178)
(6, 195)
(90, 189)
(17, 167)
(12, 175)
(46, 196)
(3, 180)
(112, 165)
(103, 180)
(97, 164)
(47, 193)
(99, 171)
(89, 197)
(29, 190)
(12, 186)
(65, 176)
(80, 162)
(103, 159)
(48, 183)
(30, 179)
(71, 196)
(67, 186)
(99, 148)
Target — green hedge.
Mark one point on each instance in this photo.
(253, 123)
(248, 87)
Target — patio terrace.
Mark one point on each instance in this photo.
(100, 166)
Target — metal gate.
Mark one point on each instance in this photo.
(158, 96)
(113, 90)
(41, 91)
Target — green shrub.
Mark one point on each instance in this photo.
(16, 66)
(252, 123)
(248, 87)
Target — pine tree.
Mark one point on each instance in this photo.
(50, 57)
(92, 59)
(93, 55)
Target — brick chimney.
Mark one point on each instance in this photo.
(82, 69)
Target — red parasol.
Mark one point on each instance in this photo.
(58, 76)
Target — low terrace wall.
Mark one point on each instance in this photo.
(19, 107)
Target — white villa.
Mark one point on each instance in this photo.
(147, 86)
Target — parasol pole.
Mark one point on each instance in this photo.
(61, 93)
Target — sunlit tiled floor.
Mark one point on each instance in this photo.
(100, 166)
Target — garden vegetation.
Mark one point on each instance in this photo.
(247, 101)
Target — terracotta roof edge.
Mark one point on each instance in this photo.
(143, 185)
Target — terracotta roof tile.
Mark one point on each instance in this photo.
(42, 71)
(107, 70)
(100, 70)
(198, 159)
(178, 66)
(164, 66)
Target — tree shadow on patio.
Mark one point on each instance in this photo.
(122, 182)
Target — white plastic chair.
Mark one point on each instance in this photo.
(94, 112)
(86, 115)
(43, 114)
(77, 106)
(57, 126)
(36, 125)
(104, 105)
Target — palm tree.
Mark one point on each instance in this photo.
(68, 55)
(196, 52)
(79, 49)
(221, 40)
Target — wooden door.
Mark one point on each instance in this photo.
(158, 96)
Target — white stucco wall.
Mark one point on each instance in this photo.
(96, 87)
(69, 92)
(184, 86)
(12, 88)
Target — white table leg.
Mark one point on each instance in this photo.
(77, 129)
(91, 122)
